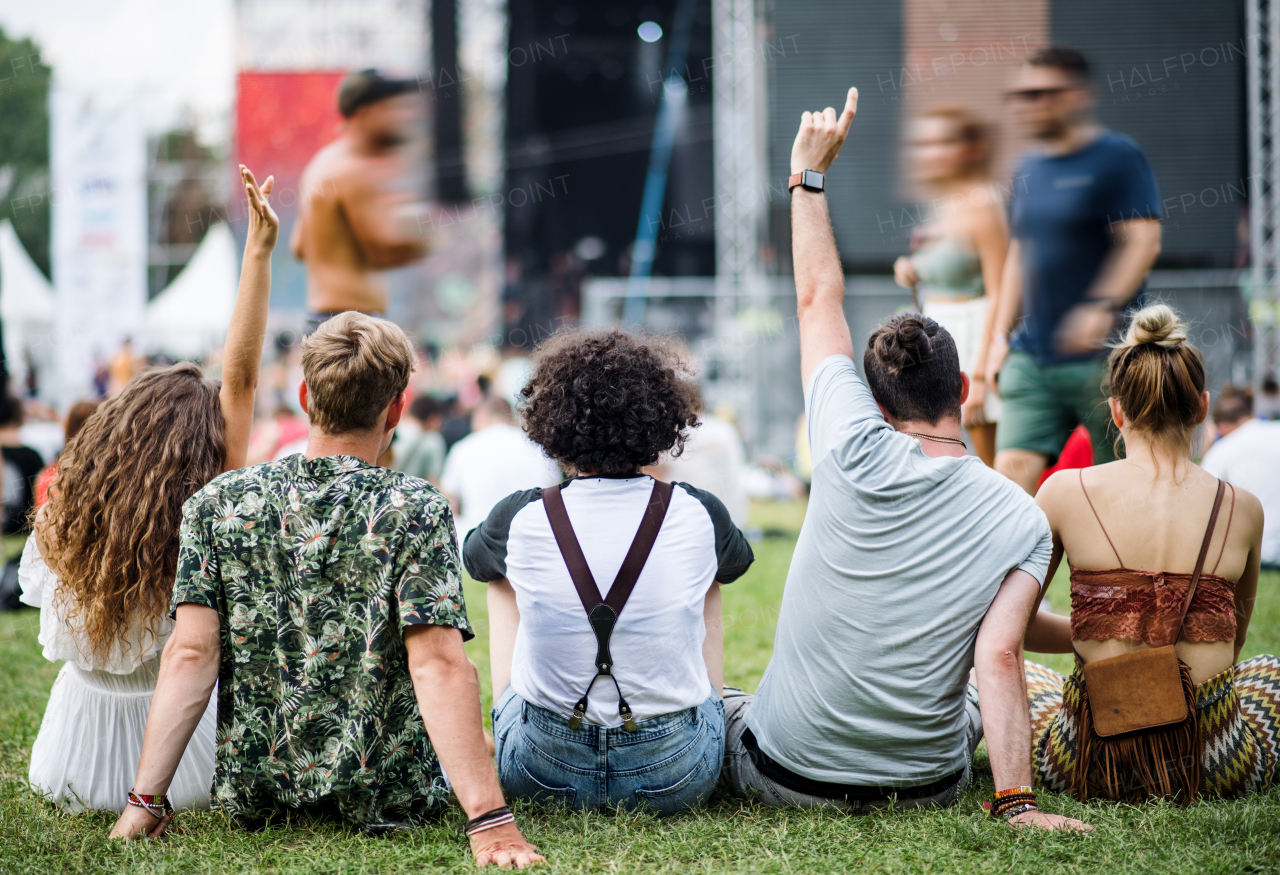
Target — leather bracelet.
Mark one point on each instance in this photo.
(489, 820)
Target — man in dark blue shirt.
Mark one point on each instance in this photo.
(1085, 223)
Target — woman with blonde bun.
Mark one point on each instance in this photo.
(1137, 532)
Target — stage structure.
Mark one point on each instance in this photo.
(738, 138)
(1263, 29)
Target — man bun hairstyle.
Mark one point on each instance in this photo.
(1158, 377)
(913, 369)
(608, 402)
(354, 366)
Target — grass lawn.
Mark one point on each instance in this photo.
(727, 836)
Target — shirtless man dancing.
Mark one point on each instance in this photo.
(357, 216)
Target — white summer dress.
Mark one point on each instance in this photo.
(86, 755)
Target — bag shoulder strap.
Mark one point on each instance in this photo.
(641, 546)
(1204, 552)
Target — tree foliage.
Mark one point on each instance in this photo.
(24, 144)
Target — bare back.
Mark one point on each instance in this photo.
(1157, 525)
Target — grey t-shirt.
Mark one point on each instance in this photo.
(898, 561)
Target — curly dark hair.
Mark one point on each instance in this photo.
(608, 402)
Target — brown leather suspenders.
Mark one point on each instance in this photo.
(602, 613)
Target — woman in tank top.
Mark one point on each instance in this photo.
(960, 251)
(1133, 532)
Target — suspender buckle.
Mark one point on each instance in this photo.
(628, 720)
(579, 712)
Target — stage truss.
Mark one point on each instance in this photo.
(1263, 39)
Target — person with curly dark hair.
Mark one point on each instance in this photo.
(597, 706)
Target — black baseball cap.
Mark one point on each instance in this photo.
(363, 87)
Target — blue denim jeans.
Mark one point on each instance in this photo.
(670, 764)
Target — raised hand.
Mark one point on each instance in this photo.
(821, 135)
(264, 225)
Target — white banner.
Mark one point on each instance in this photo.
(98, 159)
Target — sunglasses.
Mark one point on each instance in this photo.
(1035, 95)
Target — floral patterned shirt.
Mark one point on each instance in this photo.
(315, 568)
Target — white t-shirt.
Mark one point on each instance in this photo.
(657, 643)
(897, 563)
(1249, 457)
(488, 465)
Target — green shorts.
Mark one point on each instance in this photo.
(1043, 404)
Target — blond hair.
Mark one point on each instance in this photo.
(1158, 377)
(354, 366)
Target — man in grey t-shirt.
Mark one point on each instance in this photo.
(916, 563)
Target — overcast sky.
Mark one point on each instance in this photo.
(179, 54)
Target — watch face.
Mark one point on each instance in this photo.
(812, 180)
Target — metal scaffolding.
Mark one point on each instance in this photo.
(739, 176)
(1263, 39)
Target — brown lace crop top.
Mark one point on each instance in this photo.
(1145, 605)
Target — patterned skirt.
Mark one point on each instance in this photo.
(1239, 712)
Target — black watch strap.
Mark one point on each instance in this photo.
(809, 180)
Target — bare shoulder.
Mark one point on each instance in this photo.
(1248, 511)
(986, 215)
(327, 172)
(1059, 492)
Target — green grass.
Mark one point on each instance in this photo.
(727, 836)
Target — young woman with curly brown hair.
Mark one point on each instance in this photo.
(596, 704)
(101, 562)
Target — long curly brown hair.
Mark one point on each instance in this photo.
(110, 529)
(607, 402)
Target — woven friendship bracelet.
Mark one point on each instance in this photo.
(489, 820)
(1015, 791)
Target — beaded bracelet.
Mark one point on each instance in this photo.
(1020, 809)
(157, 806)
(489, 820)
(1014, 801)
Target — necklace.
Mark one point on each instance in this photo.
(934, 437)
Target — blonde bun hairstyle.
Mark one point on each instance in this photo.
(1156, 324)
(1158, 377)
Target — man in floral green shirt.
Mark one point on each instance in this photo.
(315, 567)
(323, 594)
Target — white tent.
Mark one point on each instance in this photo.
(190, 317)
(27, 309)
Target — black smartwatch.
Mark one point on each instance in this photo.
(809, 180)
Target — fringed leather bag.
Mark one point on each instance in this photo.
(1138, 724)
